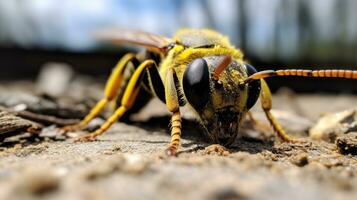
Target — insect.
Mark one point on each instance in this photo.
(197, 67)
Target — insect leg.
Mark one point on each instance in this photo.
(172, 104)
(110, 94)
(127, 100)
(266, 102)
(266, 95)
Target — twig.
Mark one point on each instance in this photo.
(40, 118)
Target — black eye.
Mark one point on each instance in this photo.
(196, 83)
(253, 87)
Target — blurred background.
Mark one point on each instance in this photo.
(273, 34)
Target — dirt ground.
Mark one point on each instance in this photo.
(127, 161)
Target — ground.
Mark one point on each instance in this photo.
(127, 162)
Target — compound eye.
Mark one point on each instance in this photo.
(253, 87)
(196, 83)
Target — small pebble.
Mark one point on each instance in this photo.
(300, 160)
(37, 182)
(227, 194)
(347, 144)
(54, 78)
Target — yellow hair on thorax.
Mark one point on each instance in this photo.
(190, 54)
(209, 34)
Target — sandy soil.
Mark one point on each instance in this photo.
(127, 162)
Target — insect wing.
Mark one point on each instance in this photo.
(150, 41)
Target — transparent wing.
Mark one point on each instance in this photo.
(150, 41)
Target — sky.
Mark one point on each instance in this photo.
(271, 26)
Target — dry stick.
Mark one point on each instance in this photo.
(11, 125)
(40, 118)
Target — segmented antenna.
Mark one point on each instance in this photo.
(330, 73)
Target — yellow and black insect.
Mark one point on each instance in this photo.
(199, 68)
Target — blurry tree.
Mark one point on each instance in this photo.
(274, 30)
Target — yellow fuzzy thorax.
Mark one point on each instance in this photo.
(190, 54)
(209, 34)
(180, 56)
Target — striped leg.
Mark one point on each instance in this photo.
(265, 95)
(172, 103)
(127, 100)
(111, 89)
